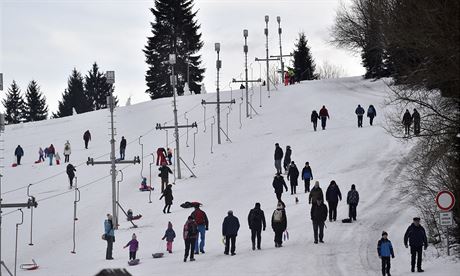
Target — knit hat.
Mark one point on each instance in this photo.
(109, 216)
(416, 219)
(257, 205)
(169, 225)
(317, 183)
(384, 233)
(353, 186)
(280, 205)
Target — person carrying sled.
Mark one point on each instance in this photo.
(333, 195)
(168, 196)
(407, 121)
(19, 153)
(256, 222)
(416, 120)
(385, 251)
(318, 215)
(315, 193)
(190, 235)
(230, 228)
(122, 148)
(293, 176)
(279, 223)
(67, 152)
(109, 236)
(352, 201)
(70, 169)
(359, 111)
(133, 247)
(278, 184)
(324, 115)
(416, 236)
(307, 175)
(201, 220)
(278, 156)
(169, 235)
(87, 138)
(314, 119)
(371, 114)
(164, 175)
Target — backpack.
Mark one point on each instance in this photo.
(67, 147)
(192, 230)
(278, 215)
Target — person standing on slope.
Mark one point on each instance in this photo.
(315, 194)
(333, 195)
(385, 251)
(164, 175)
(167, 194)
(87, 138)
(71, 173)
(314, 119)
(287, 158)
(293, 176)
(307, 175)
(407, 121)
(318, 215)
(133, 247)
(190, 235)
(122, 148)
(41, 157)
(416, 236)
(201, 220)
(19, 153)
(352, 201)
(109, 234)
(256, 222)
(279, 224)
(51, 153)
(416, 120)
(230, 228)
(169, 235)
(360, 113)
(278, 184)
(324, 115)
(371, 113)
(67, 152)
(278, 156)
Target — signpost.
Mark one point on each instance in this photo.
(445, 201)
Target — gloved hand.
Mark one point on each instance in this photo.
(264, 229)
(392, 256)
(207, 228)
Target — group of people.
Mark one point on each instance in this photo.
(409, 119)
(324, 116)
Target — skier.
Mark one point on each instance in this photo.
(324, 115)
(333, 195)
(256, 222)
(167, 194)
(58, 158)
(40, 155)
(307, 175)
(385, 251)
(201, 220)
(352, 201)
(315, 193)
(314, 119)
(371, 113)
(278, 157)
(279, 223)
(278, 184)
(164, 175)
(318, 215)
(416, 236)
(170, 156)
(170, 235)
(133, 246)
(360, 113)
(71, 173)
(122, 148)
(87, 138)
(230, 228)
(293, 176)
(190, 235)
(407, 121)
(416, 120)
(287, 158)
(161, 156)
(51, 153)
(109, 236)
(19, 153)
(67, 151)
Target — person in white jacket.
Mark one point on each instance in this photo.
(67, 151)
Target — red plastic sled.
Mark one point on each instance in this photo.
(14, 165)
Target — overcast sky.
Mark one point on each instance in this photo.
(45, 39)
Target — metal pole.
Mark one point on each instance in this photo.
(278, 18)
(16, 246)
(113, 167)
(448, 245)
(1, 223)
(176, 129)
(217, 47)
(246, 70)
(266, 50)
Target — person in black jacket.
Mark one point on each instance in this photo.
(416, 236)
(318, 215)
(167, 194)
(279, 223)
(164, 175)
(256, 222)
(360, 113)
(287, 158)
(70, 173)
(122, 147)
(292, 176)
(307, 175)
(416, 120)
(407, 121)
(87, 138)
(19, 152)
(333, 195)
(371, 113)
(278, 184)
(278, 157)
(352, 201)
(314, 119)
(230, 228)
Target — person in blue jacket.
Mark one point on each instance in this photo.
(109, 234)
(230, 228)
(307, 175)
(371, 113)
(416, 236)
(385, 251)
(360, 113)
(19, 153)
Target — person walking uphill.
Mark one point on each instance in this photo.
(190, 235)
(416, 236)
(318, 215)
(19, 153)
(407, 121)
(256, 222)
(164, 175)
(122, 148)
(230, 228)
(315, 194)
(87, 138)
(293, 176)
(278, 184)
(170, 235)
(201, 220)
(360, 113)
(371, 113)
(109, 236)
(314, 119)
(279, 223)
(324, 115)
(278, 156)
(167, 194)
(133, 247)
(71, 173)
(416, 120)
(51, 153)
(287, 158)
(385, 251)
(352, 201)
(333, 195)
(307, 175)
(67, 152)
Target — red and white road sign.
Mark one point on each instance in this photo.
(445, 200)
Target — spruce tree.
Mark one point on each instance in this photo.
(14, 104)
(35, 108)
(97, 88)
(73, 97)
(175, 30)
(304, 65)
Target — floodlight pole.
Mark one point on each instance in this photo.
(266, 50)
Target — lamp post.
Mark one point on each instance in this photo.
(245, 48)
(278, 18)
(266, 50)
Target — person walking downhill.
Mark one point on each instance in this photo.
(256, 222)
(133, 247)
(170, 235)
(416, 236)
(51, 153)
(371, 114)
(109, 235)
(278, 184)
(314, 119)
(230, 228)
(293, 176)
(385, 251)
(87, 138)
(315, 193)
(287, 159)
(333, 195)
(41, 157)
(360, 113)
(164, 175)
(190, 235)
(278, 156)
(416, 120)
(324, 115)
(279, 224)
(167, 194)
(19, 153)
(352, 201)
(407, 121)
(318, 215)
(122, 148)
(67, 152)
(307, 175)
(201, 220)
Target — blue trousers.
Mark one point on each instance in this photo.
(202, 234)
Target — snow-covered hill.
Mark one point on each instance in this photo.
(235, 176)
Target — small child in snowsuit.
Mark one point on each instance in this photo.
(131, 216)
(169, 236)
(144, 186)
(133, 246)
(58, 158)
(385, 250)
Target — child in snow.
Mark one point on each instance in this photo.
(58, 158)
(169, 236)
(133, 246)
(144, 186)
(385, 250)
(131, 215)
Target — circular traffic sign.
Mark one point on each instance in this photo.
(445, 200)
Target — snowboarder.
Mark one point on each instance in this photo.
(314, 119)
(164, 175)
(416, 236)
(360, 113)
(293, 176)
(58, 158)
(109, 236)
(407, 121)
(201, 220)
(51, 153)
(278, 184)
(144, 187)
(67, 152)
(307, 175)
(385, 251)
(167, 194)
(256, 222)
(287, 158)
(41, 157)
(71, 173)
(416, 120)
(324, 115)
(169, 235)
(133, 247)
(87, 138)
(278, 156)
(230, 228)
(333, 195)
(170, 156)
(315, 193)
(190, 235)
(161, 156)
(371, 113)
(352, 201)
(122, 148)
(279, 223)
(318, 215)
(19, 153)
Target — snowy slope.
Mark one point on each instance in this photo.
(234, 176)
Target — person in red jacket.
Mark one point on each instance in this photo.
(286, 78)
(161, 156)
(324, 115)
(202, 225)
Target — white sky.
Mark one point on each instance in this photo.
(45, 39)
